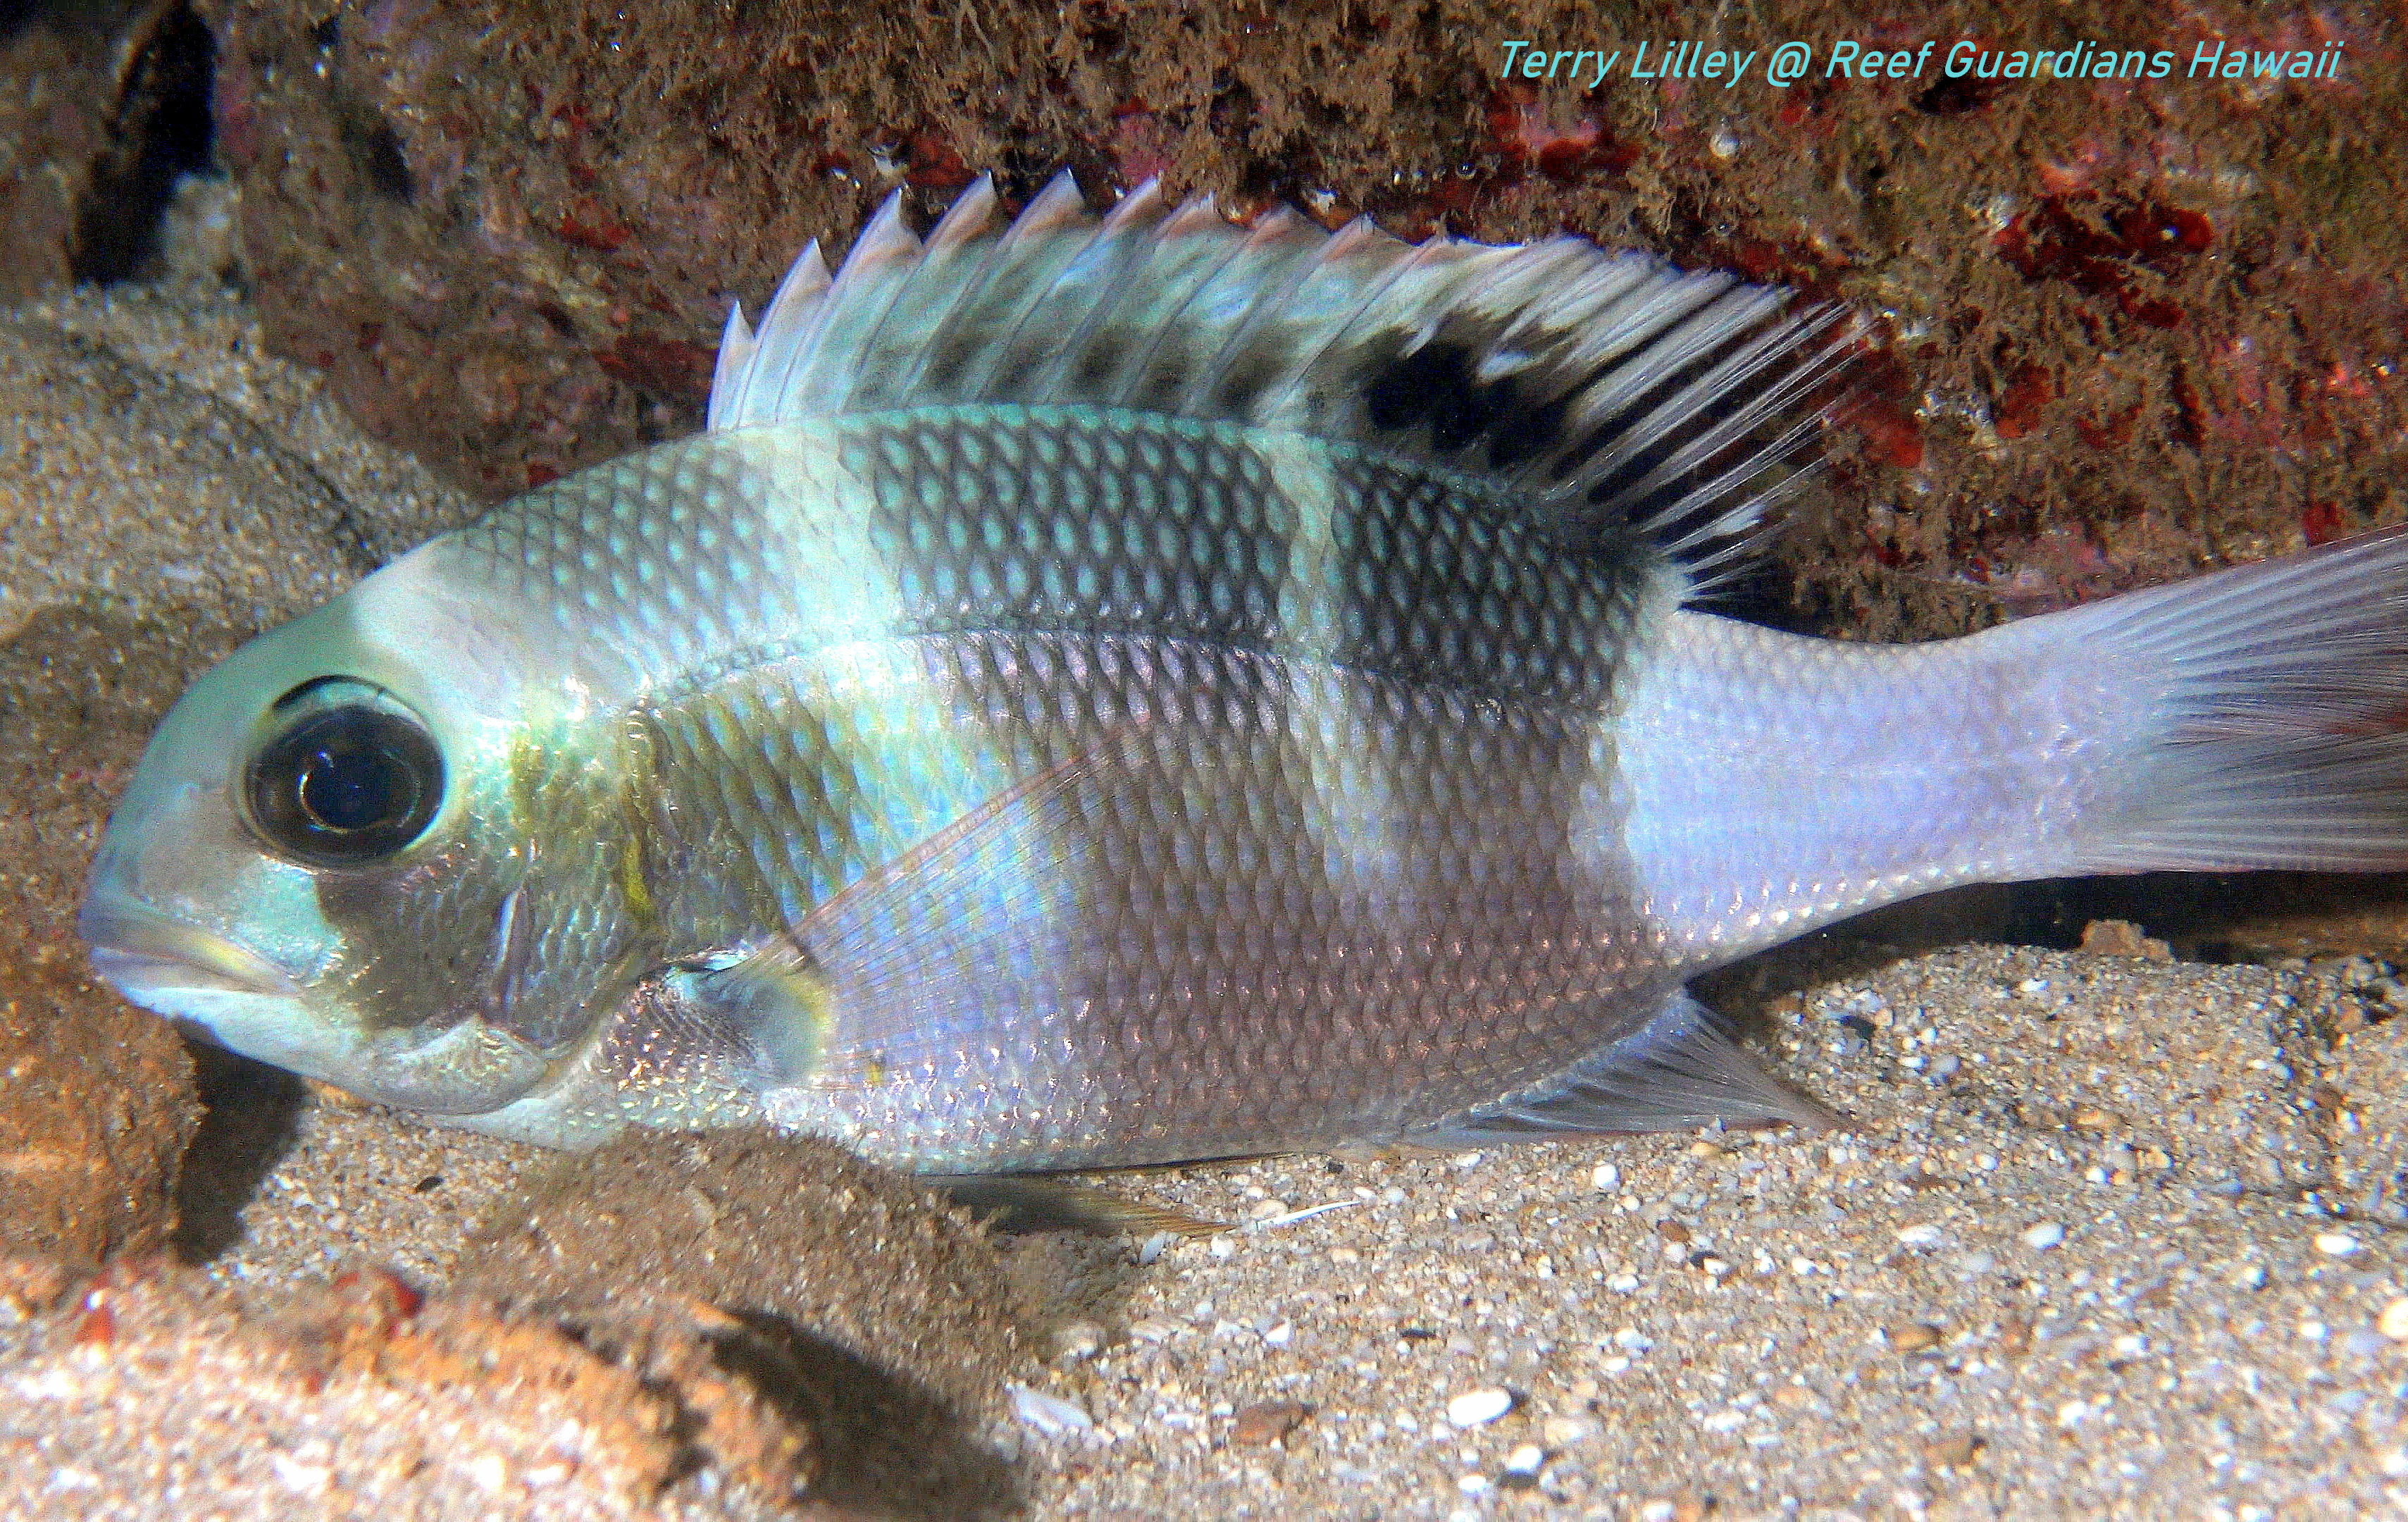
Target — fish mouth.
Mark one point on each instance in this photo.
(137, 949)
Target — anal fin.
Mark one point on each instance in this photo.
(1683, 1069)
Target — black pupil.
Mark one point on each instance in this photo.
(354, 790)
(346, 785)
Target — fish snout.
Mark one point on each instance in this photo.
(138, 949)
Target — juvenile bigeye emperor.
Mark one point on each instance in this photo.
(1118, 692)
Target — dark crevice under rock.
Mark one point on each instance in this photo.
(160, 131)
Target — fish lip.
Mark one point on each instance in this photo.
(134, 946)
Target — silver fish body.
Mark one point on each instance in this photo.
(1119, 695)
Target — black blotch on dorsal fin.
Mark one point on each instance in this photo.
(1438, 387)
(1525, 432)
(1433, 386)
(1622, 400)
(1689, 458)
(1398, 392)
(1463, 412)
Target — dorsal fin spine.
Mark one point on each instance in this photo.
(1597, 386)
(1059, 203)
(967, 217)
(1118, 244)
(1144, 203)
(922, 298)
(730, 374)
(1194, 215)
(1280, 227)
(991, 257)
(786, 324)
(1346, 243)
(855, 305)
(1215, 234)
(1059, 206)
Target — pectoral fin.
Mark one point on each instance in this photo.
(961, 934)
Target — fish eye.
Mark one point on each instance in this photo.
(345, 786)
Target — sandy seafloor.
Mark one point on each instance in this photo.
(2106, 1236)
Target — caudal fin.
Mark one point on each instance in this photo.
(2273, 715)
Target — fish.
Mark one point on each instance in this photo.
(1124, 689)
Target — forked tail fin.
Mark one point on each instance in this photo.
(2272, 708)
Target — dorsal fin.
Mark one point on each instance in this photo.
(1607, 388)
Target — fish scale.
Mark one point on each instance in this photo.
(1124, 691)
(1210, 939)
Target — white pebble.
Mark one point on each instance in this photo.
(1924, 1235)
(2394, 1321)
(1605, 1176)
(1048, 1413)
(1474, 1407)
(2336, 1243)
(1526, 1459)
(1563, 1432)
(1471, 1484)
(2042, 1236)
(1078, 1339)
(300, 1478)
